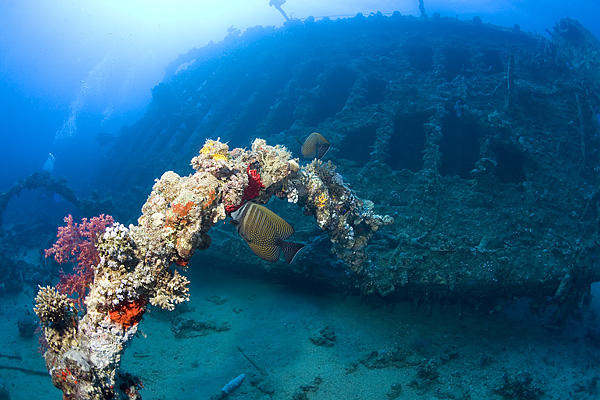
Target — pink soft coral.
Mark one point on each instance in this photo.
(77, 243)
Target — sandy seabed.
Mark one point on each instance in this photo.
(357, 351)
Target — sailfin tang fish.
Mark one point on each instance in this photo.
(315, 145)
(265, 232)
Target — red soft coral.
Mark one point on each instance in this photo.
(254, 184)
(77, 243)
(250, 191)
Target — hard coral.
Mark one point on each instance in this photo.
(53, 308)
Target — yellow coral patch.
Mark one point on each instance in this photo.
(207, 149)
(219, 157)
(322, 200)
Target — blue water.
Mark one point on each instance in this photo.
(74, 74)
(69, 71)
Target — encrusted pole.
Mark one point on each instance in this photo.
(510, 83)
(277, 4)
(136, 265)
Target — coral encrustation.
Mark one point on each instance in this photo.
(135, 266)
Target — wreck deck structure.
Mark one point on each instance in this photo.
(481, 141)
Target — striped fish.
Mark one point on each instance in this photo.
(315, 145)
(265, 232)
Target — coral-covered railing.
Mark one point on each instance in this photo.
(134, 268)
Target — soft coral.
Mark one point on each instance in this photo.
(77, 243)
(250, 191)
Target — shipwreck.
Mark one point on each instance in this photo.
(476, 145)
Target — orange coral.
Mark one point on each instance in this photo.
(181, 262)
(212, 196)
(128, 313)
(182, 210)
(322, 200)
